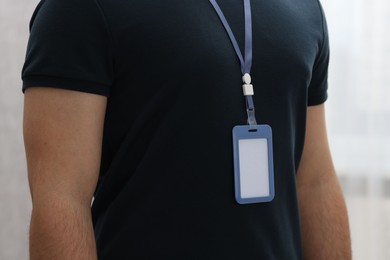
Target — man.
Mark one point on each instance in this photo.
(132, 104)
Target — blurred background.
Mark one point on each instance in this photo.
(358, 114)
(359, 118)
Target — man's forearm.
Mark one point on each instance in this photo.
(61, 230)
(324, 220)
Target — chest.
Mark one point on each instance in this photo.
(182, 36)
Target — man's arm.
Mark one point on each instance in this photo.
(63, 135)
(325, 229)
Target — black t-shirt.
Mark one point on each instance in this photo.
(174, 92)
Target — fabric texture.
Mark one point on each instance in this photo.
(174, 92)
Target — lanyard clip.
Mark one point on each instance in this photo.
(250, 110)
(251, 118)
(247, 88)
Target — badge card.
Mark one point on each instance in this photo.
(253, 164)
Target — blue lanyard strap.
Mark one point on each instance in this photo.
(246, 64)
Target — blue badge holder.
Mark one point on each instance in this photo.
(253, 164)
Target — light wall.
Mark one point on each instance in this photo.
(15, 205)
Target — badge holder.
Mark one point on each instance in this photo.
(252, 143)
(253, 164)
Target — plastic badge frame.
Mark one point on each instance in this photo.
(253, 132)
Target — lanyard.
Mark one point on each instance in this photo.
(246, 62)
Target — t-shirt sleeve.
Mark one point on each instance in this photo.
(69, 47)
(318, 88)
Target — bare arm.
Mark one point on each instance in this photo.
(325, 229)
(63, 134)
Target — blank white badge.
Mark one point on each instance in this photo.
(253, 164)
